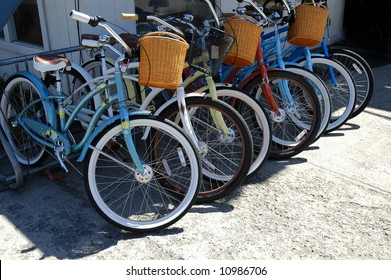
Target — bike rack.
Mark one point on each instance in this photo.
(14, 179)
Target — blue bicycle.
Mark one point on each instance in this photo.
(141, 172)
(338, 80)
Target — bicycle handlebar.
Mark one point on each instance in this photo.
(93, 21)
(255, 6)
(127, 16)
(97, 20)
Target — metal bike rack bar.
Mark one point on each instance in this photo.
(15, 179)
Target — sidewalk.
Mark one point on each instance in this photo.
(332, 201)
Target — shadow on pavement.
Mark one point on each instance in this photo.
(57, 219)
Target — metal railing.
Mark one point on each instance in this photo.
(25, 59)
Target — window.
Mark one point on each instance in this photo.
(199, 9)
(26, 24)
(2, 34)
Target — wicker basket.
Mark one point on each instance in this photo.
(162, 58)
(247, 34)
(309, 25)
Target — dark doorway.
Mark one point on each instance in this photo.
(368, 23)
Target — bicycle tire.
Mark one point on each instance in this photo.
(297, 126)
(126, 198)
(252, 112)
(342, 94)
(256, 119)
(362, 75)
(226, 161)
(18, 92)
(322, 93)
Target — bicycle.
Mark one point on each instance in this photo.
(338, 80)
(358, 67)
(271, 46)
(142, 173)
(291, 102)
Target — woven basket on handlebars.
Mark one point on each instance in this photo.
(308, 28)
(162, 57)
(247, 34)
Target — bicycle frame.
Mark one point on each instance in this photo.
(146, 99)
(52, 136)
(253, 70)
(292, 54)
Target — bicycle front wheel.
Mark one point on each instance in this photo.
(297, 122)
(256, 119)
(322, 93)
(226, 159)
(138, 201)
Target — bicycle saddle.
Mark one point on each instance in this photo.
(45, 63)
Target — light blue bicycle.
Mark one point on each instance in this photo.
(142, 173)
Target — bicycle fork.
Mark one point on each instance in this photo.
(125, 123)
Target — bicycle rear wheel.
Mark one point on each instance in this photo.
(226, 159)
(20, 91)
(298, 122)
(135, 201)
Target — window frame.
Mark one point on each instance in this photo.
(9, 43)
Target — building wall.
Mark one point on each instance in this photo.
(61, 31)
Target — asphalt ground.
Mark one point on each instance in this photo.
(333, 201)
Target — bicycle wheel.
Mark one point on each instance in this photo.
(256, 119)
(298, 122)
(135, 201)
(362, 75)
(322, 93)
(20, 91)
(226, 159)
(341, 88)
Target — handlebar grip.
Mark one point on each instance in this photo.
(126, 16)
(93, 21)
(80, 16)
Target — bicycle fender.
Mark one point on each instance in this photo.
(175, 99)
(42, 90)
(84, 74)
(102, 126)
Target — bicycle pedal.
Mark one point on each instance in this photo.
(56, 173)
